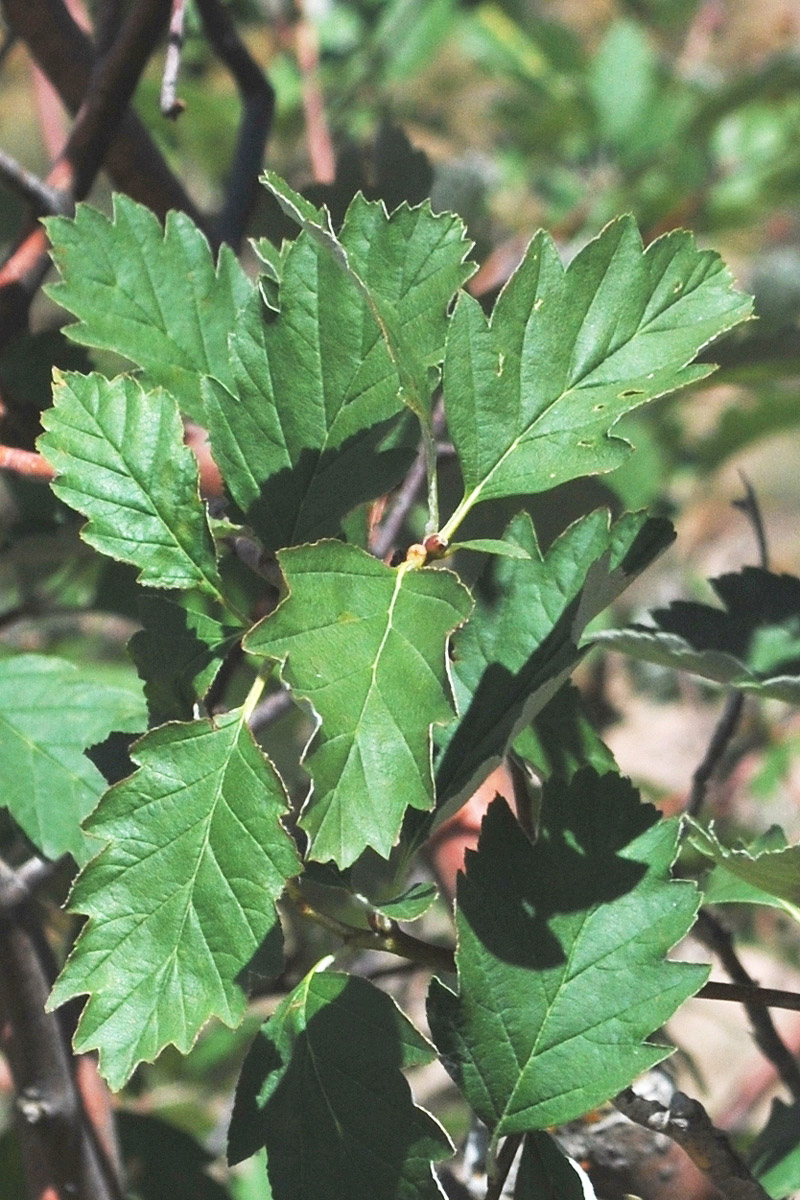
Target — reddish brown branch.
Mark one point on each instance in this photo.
(320, 146)
(25, 462)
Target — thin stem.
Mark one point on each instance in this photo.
(429, 444)
(25, 462)
(718, 939)
(253, 697)
(270, 710)
(387, 535)
(731, 714)
(504, 1160)
(390, 939)
(171, 106)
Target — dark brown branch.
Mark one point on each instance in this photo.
(750, 994)
(66, 56)
(171, 105)
(687, 1123)
(713, 934)
(60, 1152)
(42, 199)
(724, 730)
(258, 106)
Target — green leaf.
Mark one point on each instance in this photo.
(532, 395)
(365, 645)
(120, 459)
(322, 1089)
(775, 1156)
(560, 956)
(769, 871)
(410, 904)
(753, 645)
(405, 267)
(181, 902)
(359, 317)
(178, 652)
(150, 294)
(491, 546)
(49, 715)
(545, 1173)
(522, 641)
(298, 435)
(560, 740)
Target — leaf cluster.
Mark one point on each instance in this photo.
(319, 383)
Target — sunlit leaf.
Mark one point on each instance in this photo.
(153, 295)
(365, 645)
(181, 902)
(120, 460)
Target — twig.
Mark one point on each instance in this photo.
(110, 87)
(403, 502)
(752, 510)
(388, 938)
(66, 57)
(724, 730)
(25, 462)
(739, 994)
(171, 105)
(717, 938)
(687, 1123)
(258, 106)
(60, 1152)
(731, 713)
(43, 199)
(270, 710)
(320, 146)
(498, 1173)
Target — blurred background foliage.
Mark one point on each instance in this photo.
(516, 114)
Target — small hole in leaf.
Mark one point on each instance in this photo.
(631, 392)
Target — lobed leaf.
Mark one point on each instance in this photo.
(358, 318)
(322, 1089)
(753, 644)
(181, 902)
(365, 644)
(531, 396)
(522, 640)
(561, 945)
(49, 715)
(150, 294)
(120, 460)
(403, 266)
